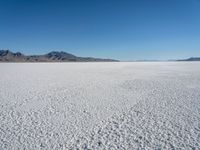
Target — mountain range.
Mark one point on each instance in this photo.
(57, 56)
(54, 56)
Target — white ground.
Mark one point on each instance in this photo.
(152, 105)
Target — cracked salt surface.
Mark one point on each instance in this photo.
(151, 105)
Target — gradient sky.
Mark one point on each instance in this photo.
(120, 29)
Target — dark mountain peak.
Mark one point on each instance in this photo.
(17, 54)
(7, 56)
(5, 52)
(8, 52)
(60, 56)
(59, 53)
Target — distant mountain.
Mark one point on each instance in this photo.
(191, 59)
(54, 56)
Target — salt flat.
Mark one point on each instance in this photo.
(118, 105)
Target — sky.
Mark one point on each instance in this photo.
(119, 29)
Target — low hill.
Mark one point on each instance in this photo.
(191, 59)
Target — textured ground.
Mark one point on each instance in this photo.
(152, 105)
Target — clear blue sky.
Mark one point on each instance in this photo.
(120, 29)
